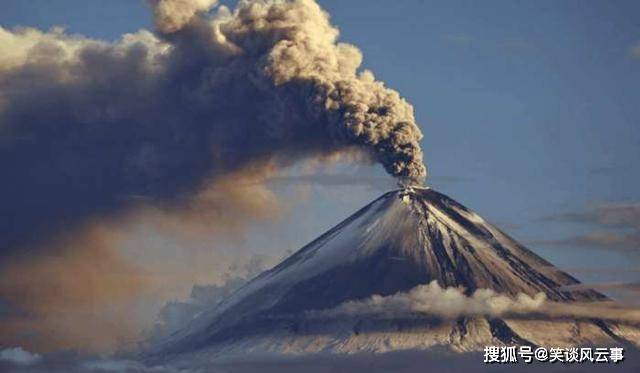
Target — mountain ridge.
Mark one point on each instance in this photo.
(403, 239)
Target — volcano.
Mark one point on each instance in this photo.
(404, 239)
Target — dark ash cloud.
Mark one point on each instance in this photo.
(84, 124)
(167, 126)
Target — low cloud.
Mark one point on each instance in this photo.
(616, 227)
(175, 315)
(452, 302)
(606, 271)
(617, 215)
(72, 363)
(399, 361)
(433, 300)
(435, 360)
(18, 356)
(122, 366)
(625, 292)
(625, 242)
(625, 286)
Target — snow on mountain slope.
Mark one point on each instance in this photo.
(404, 239)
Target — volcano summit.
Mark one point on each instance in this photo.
(481, 288)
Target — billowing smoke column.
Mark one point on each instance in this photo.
(86, 124)
(289, 51)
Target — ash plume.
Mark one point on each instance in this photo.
(86, 123)
(158, 126)
(171, 15)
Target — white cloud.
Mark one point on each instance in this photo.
(17, 355)
(452, 302)
(448, 302)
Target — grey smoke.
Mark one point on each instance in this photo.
(85, 123)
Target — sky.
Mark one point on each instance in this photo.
(530, 113)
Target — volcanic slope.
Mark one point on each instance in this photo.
(404, 239)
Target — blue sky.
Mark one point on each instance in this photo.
(529, 109)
